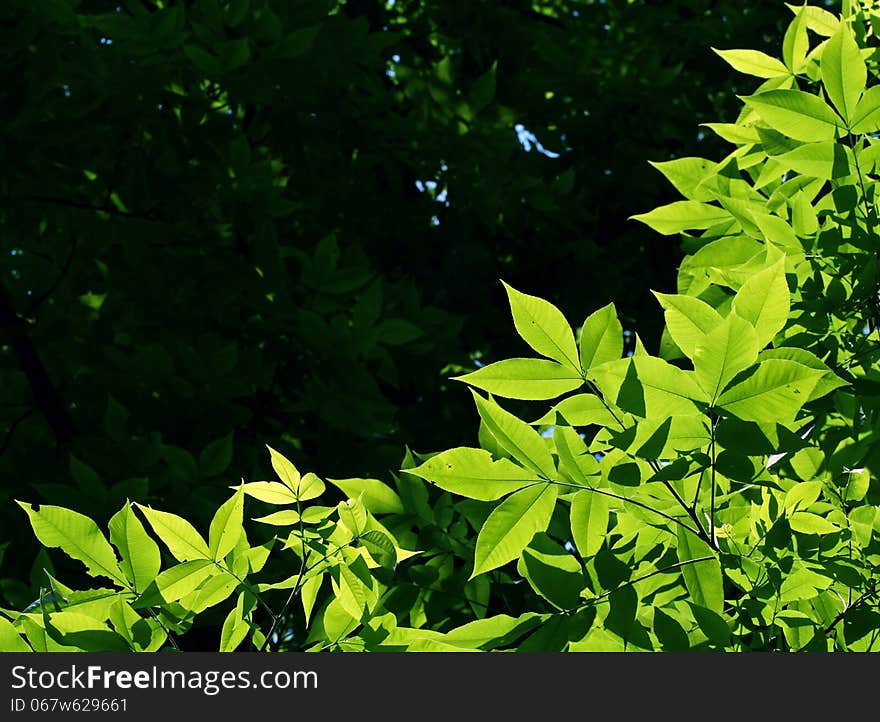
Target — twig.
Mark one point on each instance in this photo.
(84, 206)
(631, 582)
(839, 618)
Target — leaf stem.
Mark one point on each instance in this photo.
(712, 481)
(662, 570)
(629, 501)
(296, 586)
(699, 530)
(839, 618)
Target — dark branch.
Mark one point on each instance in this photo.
(46, 397)
(83, 206)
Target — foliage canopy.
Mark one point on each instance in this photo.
(719, 494)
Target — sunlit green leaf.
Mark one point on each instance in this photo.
(176, 582)
(376, 496)
(730, 348)
(474, 474)
(589, 521)
(181, 537)
(517, 437)
(543, 327)
(843, 71)
(141, 558)
(703, 579)
(226, 526)
(776, 391)
(601, 338)
(683, 216)
(523, 378)
(797, 114)
(688, 320)
(77, 536)
(764, 302)
(511, 526)
(753, 62)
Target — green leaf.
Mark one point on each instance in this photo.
(653, 388)
(524, 378)
(543, 327)
(827, 382)
(215, 589)
(511, 526)
(380, 547)
(271, 492)
(482, 92)
(580, 410)
(575, 461)
(688, 320)
(843, 71)
(349, 591)
(352, 515)
(376, 496)
(304, 487)
(821, 160)
(802, 495)
(142, 635)
(807, 523)
(289, 517)
(796, 44)
(866, 116)
(683, 216)
(91, 602)
(797, 114)
(732, 133)
(712, 624)
(175, 583)
(216, 457)
(181, 537)
(552, 572)
(861, 520)
(226, 526)
(516, 437)
(857, 485)
(10, 639)
(764, 301)
(235, 626)
(141, 558)
(663, 438)
(730, 348)
(77, 536)
(589, 521)
(753, 62)
(72, 631)
(774, 393)
(601, 338)
(202, 59)
(817, 19)
(491, 631)
(309, 594)
(703, 579)
(473, 473)
(804, 218)
(802, 583)
(687, 175)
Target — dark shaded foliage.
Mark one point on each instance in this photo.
(261, 220)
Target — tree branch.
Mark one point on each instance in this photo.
(46, 396)
(84, 206)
